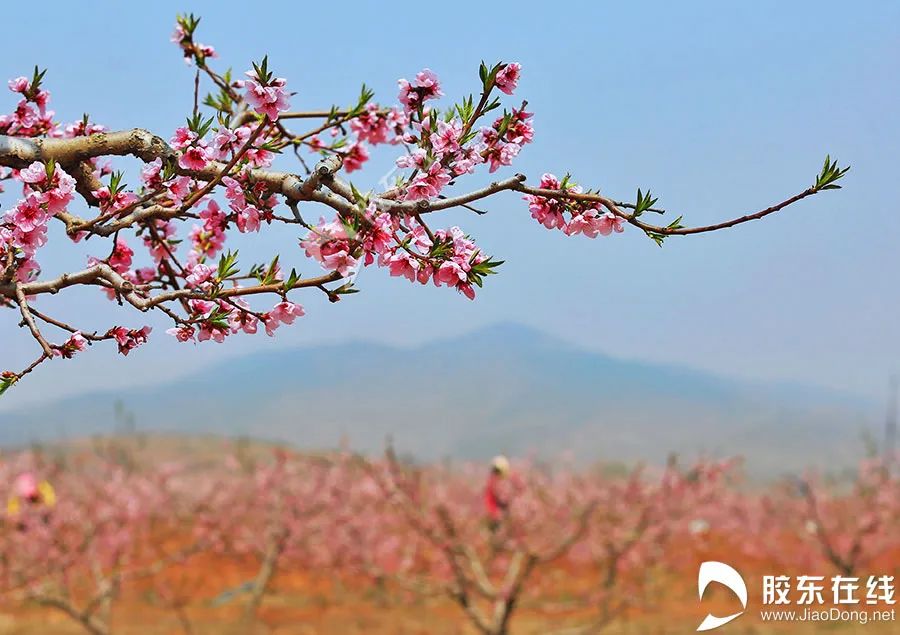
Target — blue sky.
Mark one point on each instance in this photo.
(720, 108)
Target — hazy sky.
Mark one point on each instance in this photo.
(720, 108)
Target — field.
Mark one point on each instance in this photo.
(210, 536)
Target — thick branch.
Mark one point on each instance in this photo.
(19, 153)
(104, 273)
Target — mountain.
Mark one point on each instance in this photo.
(505, 389)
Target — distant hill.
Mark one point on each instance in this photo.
(502, 389)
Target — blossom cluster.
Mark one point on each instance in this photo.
(31, 117)
(444, 149)
(217, 320)
(265, 92)
(183, 36)
(446, 257)
(47, 191)
(570, 216)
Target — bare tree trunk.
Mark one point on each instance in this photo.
(261, 583)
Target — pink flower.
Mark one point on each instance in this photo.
(178, 35)
(429, 184)
(508, 77)
(213, 217)
(179, 189)
(30, 241)
(315, 144)
(269, 99)
(27, 270)
(18, 85)
(75, 344)
(82, 128)
(371, 125)
(206, 242)
(28, 214)
(248, 220)
(182, 333)
(145, 275)
(520, 130)
(110, 203)
(212, 331)
(193, 158)
(413, 95)
(34, 173)
(201, 307)
(286, 312)
(234, 192)
(330, 244)
(586, 223)
(416, 159)
(502, 149)
(465, 161)
(404, 264)
(283, 313)
(450, 273)
(241, 320)
(198, 274)
(446, 138)
(609, 223)
(379, 236)
(120, 260)
(128, 340)
(206, 50)
(224, 143)
(182, 138)
(419, 239)
(355, 157)
(271, 324)
(160, 247)
(336, 257)
(61, 194)
(151, 174)
(547, 211)
(496, 151)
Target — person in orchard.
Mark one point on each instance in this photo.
(496, 492)
(30, 495)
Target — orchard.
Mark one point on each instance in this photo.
(247, 540)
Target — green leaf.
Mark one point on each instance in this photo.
(6, 382)
(292, 280)
(346, 289)
(228, 265)
(271, 271)
(644, 202)
(656, 237)
(361, 201)
(115, 183)
(830, 173)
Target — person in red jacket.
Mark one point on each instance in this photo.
(496, 496)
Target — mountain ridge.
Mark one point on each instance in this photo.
(505, 388)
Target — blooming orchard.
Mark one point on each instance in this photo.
(160, 245)
(88, 530)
